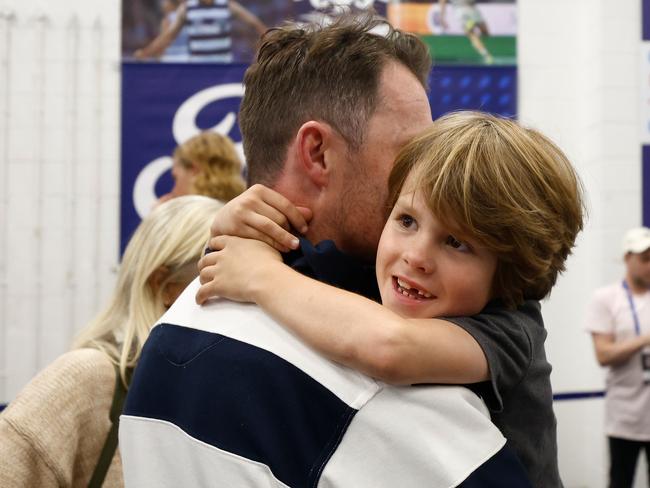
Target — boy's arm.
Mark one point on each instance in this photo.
(347, 328)
(247, 17)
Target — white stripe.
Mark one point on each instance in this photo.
(248, 323)
(198, 45)
(433, 436)
(207, 30)
(201, 14)
(159, 454)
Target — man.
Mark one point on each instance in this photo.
(223, 395)
(618, 318)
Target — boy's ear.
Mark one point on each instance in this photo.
(314, 140)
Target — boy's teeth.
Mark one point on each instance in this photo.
(404, 287)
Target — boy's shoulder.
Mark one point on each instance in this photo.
(528, 313)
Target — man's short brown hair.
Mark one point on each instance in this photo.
(507, 187)
(327, 73)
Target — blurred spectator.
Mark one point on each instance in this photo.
(206, 164)
(57, 432)
(619, 321)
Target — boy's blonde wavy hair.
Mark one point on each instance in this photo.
(220, 170)
(505, 186)
(172, 236)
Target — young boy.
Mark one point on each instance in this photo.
(484, 215)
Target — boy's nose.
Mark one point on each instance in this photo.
(420, 257)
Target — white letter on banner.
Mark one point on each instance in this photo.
(184, 125)
(144, 194)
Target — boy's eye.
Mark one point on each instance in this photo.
(406, 220)
(456, 244)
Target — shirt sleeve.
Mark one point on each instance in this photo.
(21, 463)
(53, 429)
(599, 317)
(506, 338)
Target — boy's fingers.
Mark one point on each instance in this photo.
(288, 209)
(216, 243)
(273, 234)
(270, 213)
(306, 213)
(202, 295)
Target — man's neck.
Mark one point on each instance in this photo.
(636, 287)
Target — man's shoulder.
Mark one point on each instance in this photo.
(189, 330)
(611, 290)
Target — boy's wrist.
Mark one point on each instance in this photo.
(266, 281)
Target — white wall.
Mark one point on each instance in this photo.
(579, 83)
(59, 173)
(59, 179)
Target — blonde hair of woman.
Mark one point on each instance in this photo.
(161, 255)
(60, 429)
(207, 164)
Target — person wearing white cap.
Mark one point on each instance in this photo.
(618, 319)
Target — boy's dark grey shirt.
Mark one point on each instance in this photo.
(519, 392)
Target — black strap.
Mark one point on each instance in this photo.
(108, 451)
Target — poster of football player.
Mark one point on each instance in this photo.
(461, 31)
(217, 31)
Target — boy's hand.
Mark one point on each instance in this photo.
(236, 269)
(263, 214)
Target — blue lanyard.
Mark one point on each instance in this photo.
(637, 328)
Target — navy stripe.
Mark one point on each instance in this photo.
(210, 37)
(213, 52)
(503, 470)
(239, 398)
(2, 406)
(578, 395)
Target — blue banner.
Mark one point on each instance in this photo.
(490, 89)
(164, 104)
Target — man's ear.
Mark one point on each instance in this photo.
(314, 141)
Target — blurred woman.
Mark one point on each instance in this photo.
(61, 430)
(207, 164)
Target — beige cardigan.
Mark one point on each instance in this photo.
(53, 432)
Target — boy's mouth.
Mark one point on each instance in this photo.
(408, 291)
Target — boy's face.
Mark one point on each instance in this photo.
(423, 271)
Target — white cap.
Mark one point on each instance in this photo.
(636, 240)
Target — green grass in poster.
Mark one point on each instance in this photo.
(458, 49)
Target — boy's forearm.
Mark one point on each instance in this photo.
(363, 335)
